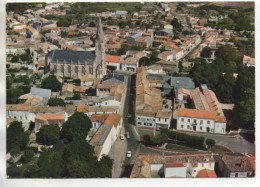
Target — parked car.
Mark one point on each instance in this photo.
(122, 137)
(127, 134)
(128, 154)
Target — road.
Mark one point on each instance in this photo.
(122, 166)
(236, 144)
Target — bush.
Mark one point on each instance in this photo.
(155, 140)
(27, 156)
(210, 142)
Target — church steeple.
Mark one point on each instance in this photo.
(100, 34)
(99, 67)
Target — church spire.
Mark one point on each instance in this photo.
(100, 34)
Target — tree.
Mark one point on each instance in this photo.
(144, 61)
(175, 23)
(48, 134)
(13, 94)
(77, 126)
(64, 22)
(27, 156)
(92, 24)
(51, 82)
(56, 102)
(226, 23)
(15, 59)
(225, 87)
(91, 91)
(17, 139)
(9, 82)
(180, 66)
(206, 52)
(76, 96)
(227, 53)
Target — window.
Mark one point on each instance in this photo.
(201, 121)
(182, 119)
(208, 122)
(195, 120)
(165, 120)
(145, 124)
(138, 118)
(248, 174)
(147, 119)
(194, 171)
(201, 128)
(209, 164)
(202, 165)
(188, 127)
(159, 119)
(182, 126)
(151, 124)
(105, 103)
(236, 175)
(188, 120)
(139, 123)
(153, 119)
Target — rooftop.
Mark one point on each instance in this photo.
(194, 113)
(40, 92)
(206, 173)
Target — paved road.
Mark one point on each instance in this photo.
(236, 144)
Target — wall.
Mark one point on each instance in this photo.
(141, 120)
(175, 172)
(188, 125)
(220, 127)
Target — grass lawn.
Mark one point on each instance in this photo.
(179, 147)
(219, 148)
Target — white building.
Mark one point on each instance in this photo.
(163, 119)
(177, 53)
(145, 118)
(200, 121)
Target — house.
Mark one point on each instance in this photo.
(46, 93)
(113, 78)
(235, 165)
(207, 173)
(133, 38)
(155, 69)
(98, 119)
(177, 53)
(87, 80)
(200, 121)
(145, 118)
(130, 64)
(163, 119)
(166, 32)
(90, 110)
(169, 166)
(68, 90)
(112, 60)
(183, 82)
(145, 42)
(166, 55)
(183, 94)
(121, 13)
(248, 61)
(42, 119)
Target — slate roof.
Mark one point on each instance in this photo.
(184, 82)
(40, 92)
(168, 31)
(115, 76)
(73, 56)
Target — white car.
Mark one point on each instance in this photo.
(128, 154)
(122, 137)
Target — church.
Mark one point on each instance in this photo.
(76, 64)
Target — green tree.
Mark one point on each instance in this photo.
(180, 66)
(9, 82)
(92, 24)
(206, 52)
(144, 61)
(56, 102)
(48, 134)
(27, 156)
(13, 94)
(77, 126)
(64, 22)
(15, 59)
(51, 82)
(17, 139)
(227, 53)
(175, 23)
(226, 23)
(225, 88)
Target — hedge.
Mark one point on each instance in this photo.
(188, 139)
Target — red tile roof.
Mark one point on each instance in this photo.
(167, 53)
(185, 112)
(174, 165)
(113, 119)
(206, 173)
(50, 116)
(112, 58)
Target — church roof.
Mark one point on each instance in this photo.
(100, 34)
(73, 56)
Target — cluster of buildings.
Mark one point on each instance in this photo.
(193, 165)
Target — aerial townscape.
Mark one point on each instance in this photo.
(130, 90)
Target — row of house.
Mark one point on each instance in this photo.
(193, 165)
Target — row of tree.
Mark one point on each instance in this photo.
(70, 157)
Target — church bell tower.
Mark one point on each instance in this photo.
(99, 67)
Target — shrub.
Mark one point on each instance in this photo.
(210, 142)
